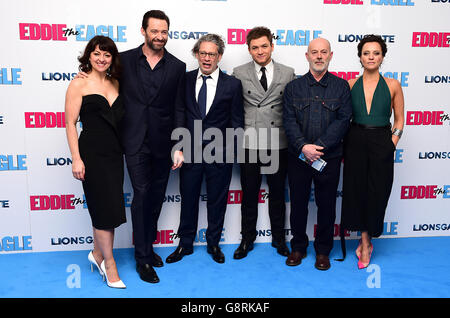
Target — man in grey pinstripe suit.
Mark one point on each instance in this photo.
(263, 81)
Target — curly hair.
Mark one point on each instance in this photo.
(105, 44)
(210, 37)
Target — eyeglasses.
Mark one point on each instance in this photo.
(210, 55)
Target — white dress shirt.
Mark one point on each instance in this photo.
(211, 85)
(269, 72)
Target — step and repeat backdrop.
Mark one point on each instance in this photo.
(42, 207)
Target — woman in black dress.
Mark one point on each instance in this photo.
(97, 156)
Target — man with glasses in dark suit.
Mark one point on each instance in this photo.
(213, 101)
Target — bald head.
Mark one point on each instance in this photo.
(319, 43)
(319, 56)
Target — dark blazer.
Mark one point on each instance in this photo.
(226, 111)
(159, 115)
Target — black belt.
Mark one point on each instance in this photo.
(370, 126)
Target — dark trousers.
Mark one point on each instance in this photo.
(218, 178)
(300, 177)
(149, 176)
(251, 178)
(368, 178)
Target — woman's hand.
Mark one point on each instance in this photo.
(395, 140)
(78, 169)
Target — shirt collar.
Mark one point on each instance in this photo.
(269, 67)
(141, 53)
(312, 81)
(214, 75)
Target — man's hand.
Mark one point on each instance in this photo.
(312, 152)
(81, 75)
(178, 159)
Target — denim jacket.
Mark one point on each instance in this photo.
(317, 113)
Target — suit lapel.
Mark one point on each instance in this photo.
(254, 78)
(192, 81)
(276, 78)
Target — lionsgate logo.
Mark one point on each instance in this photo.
(208, 146)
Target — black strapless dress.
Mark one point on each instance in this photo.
(102, 154)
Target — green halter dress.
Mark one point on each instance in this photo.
(368, 161)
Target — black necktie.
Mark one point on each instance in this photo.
(263, 79)
(202, 97)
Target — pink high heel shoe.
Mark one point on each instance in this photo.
(358, 250)
(362, 265)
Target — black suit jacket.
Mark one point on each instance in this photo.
(226, 111)
(159, 115)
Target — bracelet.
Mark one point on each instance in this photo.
(397, 132)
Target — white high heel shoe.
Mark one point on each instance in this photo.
(94, 262)
(118, 284)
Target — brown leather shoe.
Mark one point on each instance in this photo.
(322, 262)
(295, 258)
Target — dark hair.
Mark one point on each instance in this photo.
(258, 32)
(372, 38)
(157, 14)
(105, 44)
(214, 38)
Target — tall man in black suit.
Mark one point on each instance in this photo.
(213, 99)
(149, 83)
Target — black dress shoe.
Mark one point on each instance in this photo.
(157, 261)
(216, 254)
(147, 273)
(243, 249)
(282, 248)
(178, 254)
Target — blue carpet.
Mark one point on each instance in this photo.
(401, 268)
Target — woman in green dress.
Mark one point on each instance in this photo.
(370, 146)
